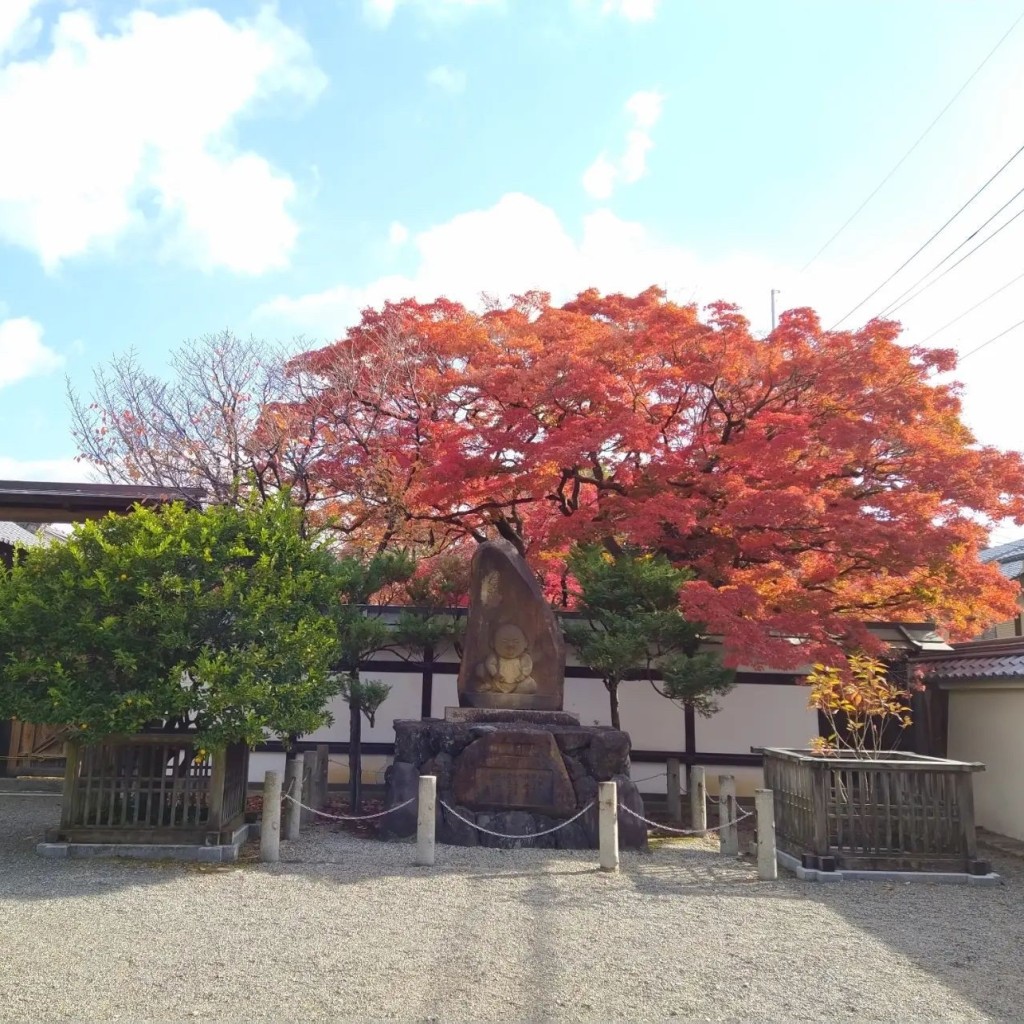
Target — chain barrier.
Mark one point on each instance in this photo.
(349, 817)
(366, 771)
(684, 831)
(526, 835)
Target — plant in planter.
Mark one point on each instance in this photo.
(862, 701)
(195, 633)
(850, 801)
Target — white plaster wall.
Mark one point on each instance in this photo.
(751, 715)
(986, 725)
(445, 693)
(758, 715)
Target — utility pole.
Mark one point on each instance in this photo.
(775, 291)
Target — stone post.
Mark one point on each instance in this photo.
(698, 801)
(767, 860)
(728, 832)
(270, 826)
(293, 772)
(425, 820)
(608, 825)
(673, 793)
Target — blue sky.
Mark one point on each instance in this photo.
(175, 168)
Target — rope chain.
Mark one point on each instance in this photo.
(684, 831)
(525, 835)
(349, 817)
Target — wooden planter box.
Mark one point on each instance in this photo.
(152, 788)
(891, 811)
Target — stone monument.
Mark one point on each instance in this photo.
(509, 758)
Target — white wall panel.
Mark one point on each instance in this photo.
(758, 715)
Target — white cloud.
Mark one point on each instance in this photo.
(22, 352)
(520, 244)
(601, 177)
(645, 108)
(68, 470)
(631, 10)
(17, 26)
(380, 12)
(449, 80)
(398, 233)
(139, 137)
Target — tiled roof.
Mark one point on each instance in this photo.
(1010, 557)
(12, 533)
(978, 659)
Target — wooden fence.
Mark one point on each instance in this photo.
(889, 811)
(154, 788)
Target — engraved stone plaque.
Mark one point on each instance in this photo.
(514, 770)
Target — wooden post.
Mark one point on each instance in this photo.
(728, 832)
(608, 825)
(306, 789)
(293, 788)
(425, 820)
(965, 798)
(270, 827)
(767, 859)
(68, 808)
(218, 776)
(323, 753)
(673, 791)
(698, 801)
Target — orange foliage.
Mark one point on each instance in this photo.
(813, 480)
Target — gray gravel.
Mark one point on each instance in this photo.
(348, 930)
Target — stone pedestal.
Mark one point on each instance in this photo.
(512, 772)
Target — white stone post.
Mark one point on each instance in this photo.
(608, 825)
(293, 772)
(767, 859)
(729, 832)
(698, 801)
(672, 791)
(270, 826)
(425, 820)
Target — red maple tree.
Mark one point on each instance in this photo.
(813, 480)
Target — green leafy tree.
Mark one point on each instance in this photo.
(360, 634)
(634, 628)
(221, 621)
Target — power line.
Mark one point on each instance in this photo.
(895, 303)
(1019, 323)
(932, 238)
(956, 319)
(953, 266)
(899, 163)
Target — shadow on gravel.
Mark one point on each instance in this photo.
(970, 940)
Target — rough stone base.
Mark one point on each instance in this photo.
(155, 851)
(791, 863)
(588, 755)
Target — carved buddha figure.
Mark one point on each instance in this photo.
(508, 667)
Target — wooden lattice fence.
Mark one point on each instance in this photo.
(890, 810)
(157, 788)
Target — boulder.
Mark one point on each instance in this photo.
(608, 754)
(449, 829)
(402, 781)
(632, 833)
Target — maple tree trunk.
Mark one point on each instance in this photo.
(613, 703)
(355, 758)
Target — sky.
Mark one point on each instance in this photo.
(170, 169)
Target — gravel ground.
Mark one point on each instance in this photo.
(347, 930)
